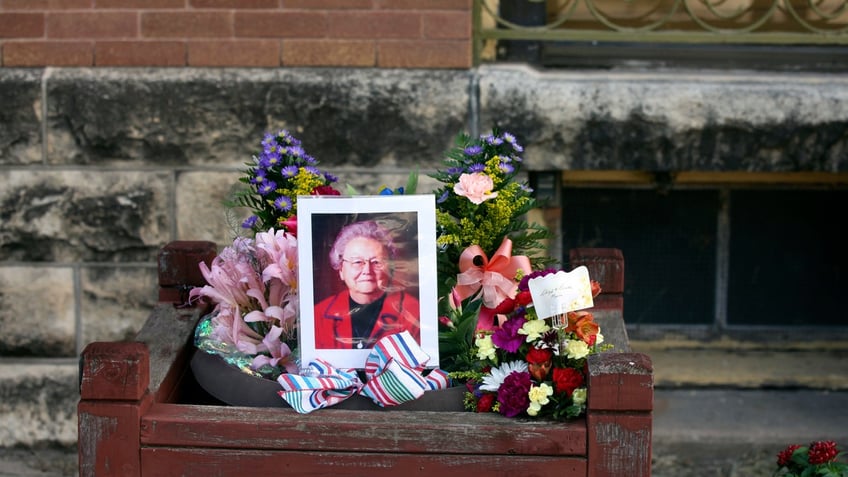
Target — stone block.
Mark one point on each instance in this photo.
(203, 117)
(115, 301)
(201, 212)
(38, 403)
(37, 316)
(67, 216)
(20, 136)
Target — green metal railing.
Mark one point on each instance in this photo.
(770, 22)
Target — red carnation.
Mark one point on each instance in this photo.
(523, 298)
(538, 356)
(485, 403)
(566, 380)
(506, 306)
(784, 457)
(822, 452)
(325, 190)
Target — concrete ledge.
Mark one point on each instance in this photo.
(671, 120)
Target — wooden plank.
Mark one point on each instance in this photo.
(619, 445)
(359, 431)
(114, 370)
(612, 326)
(620, 382)
(168, 333)
(167, 462)
(109, 438)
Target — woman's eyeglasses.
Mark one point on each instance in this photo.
(358, 264)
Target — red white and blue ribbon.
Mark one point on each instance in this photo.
(394, 376)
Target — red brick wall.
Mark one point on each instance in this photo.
(258, 33)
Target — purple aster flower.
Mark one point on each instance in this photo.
(289, 171)
(313, 170)
(249, 222)
(259, 176)
(269, 140)
(270, 159)
(473, 150)
(266, 187)
(516, 158)
(284, 136)
(291, 140)
(517, 147)
(508, 137)
(477, 167)
(506, 167)
(494, 141)
(443, 197)
(514, 394)
(295, 151)
(307, 159)
(283, 203)
(506, 337)
(454, 170)
(526, 188)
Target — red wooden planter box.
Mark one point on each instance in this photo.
(142, 414)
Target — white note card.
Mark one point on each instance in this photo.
(561, 292)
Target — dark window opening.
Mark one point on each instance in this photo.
(788, 258)
(669, 246)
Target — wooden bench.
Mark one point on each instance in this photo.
(142, 414)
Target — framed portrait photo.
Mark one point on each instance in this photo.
(367, 269)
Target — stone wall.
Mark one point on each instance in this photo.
(99, 168)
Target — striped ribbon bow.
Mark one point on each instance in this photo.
(393, 372)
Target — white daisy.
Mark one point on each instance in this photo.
(492, 381)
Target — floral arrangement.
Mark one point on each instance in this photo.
(274, 178)
(491, 337)
(531, 366)
(819, 459)
(253, 284)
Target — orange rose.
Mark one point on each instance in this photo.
(587, 330)
(596, 288)
(573, 318)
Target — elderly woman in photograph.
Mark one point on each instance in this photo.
(369, 308)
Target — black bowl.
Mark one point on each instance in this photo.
(232, 386)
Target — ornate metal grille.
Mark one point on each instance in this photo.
(762, 22)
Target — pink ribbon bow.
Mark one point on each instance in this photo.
(496, 277)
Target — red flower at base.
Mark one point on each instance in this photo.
(566, 380)
(822, 452)
(784, 457)
(485, 403)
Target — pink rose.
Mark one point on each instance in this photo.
(476, 187)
